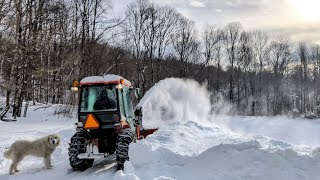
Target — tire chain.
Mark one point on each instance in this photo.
(77, 146)
(124, 139)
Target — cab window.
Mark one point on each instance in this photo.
(98, 98)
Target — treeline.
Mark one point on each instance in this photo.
(45, 45)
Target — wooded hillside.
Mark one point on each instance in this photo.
(45, 45)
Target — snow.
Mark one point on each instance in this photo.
(298, 131)
(174, 100)
(190, 143)
(237, 158)
(105, 78)
(240, 161)
(127, 173)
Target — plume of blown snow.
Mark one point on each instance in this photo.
(220, 105)
(175, 100)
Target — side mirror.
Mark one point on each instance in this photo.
(137, 93)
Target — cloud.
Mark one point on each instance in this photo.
(304, 32)
(275, 16)
(197, 4)
(242, 4)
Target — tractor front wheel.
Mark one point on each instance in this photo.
(125, 137)
(78, 146)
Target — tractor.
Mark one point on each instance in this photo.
(107, 122)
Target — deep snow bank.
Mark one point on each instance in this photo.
(297, 131)
(193, 151)
(246, 160)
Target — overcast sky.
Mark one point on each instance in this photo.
(297, 19)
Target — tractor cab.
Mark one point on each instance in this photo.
(108, 99)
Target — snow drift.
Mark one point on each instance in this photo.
(298, 131)
(247, 160)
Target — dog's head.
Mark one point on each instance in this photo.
(53, 140)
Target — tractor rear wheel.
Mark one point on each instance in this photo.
(77, 146)
(125, 137)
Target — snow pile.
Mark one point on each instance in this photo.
(247, 160)
(298, 131)
(175, 100)
(219, 155)
(182, 138)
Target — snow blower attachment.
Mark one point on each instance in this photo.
(107, 123)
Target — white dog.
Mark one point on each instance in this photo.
(42, 147)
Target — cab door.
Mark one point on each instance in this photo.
(128, 108)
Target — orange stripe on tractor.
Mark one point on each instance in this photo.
(91, 122)
(138, 131)
(124, 124)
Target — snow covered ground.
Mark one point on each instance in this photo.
(298, 131)
(190, 144)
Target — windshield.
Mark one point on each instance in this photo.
(98, 98)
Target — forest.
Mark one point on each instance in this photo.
(45, 45)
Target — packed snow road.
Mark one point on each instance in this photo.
(189, 144)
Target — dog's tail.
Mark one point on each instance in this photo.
(7, 154)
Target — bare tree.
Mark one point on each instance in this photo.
(212, 42)
(261, 52)
(185, 44)
(303, 56)
(280, 57)
(232, 31)
(94, 24)
(245, 64)
(135, 28)
(315, 58)
(166, 27)
(5, 6)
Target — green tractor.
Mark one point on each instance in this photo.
(107, 122)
